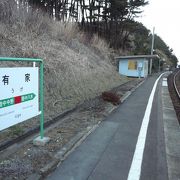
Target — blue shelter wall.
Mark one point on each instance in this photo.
(133, 68)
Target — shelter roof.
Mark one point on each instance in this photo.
(138, 57)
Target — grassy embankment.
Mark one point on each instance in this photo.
(77, 67)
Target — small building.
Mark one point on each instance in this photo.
(135, 66)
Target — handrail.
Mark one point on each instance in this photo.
(20, 59)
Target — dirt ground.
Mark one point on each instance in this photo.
(25, 160)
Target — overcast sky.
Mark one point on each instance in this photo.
(163, 15)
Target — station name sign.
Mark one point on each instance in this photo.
(19, 95)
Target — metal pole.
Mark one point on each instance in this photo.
(20, 59)
(159, 65)
(34, 64)
(152, 47)
(42, 100)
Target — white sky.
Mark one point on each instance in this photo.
(163, 15)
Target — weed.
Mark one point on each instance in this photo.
(16, 130)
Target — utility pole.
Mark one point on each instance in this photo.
(152, 48)
(159, 69)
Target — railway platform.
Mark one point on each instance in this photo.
(139, 140)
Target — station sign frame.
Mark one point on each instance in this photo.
(25, 98)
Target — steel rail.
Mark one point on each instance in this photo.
(175, 85)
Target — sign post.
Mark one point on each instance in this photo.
(21, 95)
(42, 99)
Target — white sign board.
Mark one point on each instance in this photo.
(19, 98)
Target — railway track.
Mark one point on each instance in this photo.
(174, 89)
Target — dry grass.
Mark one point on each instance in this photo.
(100, 44)
(19, 18)
(74, 71)
(64, 31)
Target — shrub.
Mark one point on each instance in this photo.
(111, 97)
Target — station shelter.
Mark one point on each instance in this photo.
(135, 66)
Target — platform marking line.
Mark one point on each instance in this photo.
(164, 84)
(135, 169)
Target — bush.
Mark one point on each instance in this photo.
(111, 97)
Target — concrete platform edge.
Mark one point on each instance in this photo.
(172, 134)
(61, 155)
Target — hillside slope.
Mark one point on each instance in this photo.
(77, 67)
